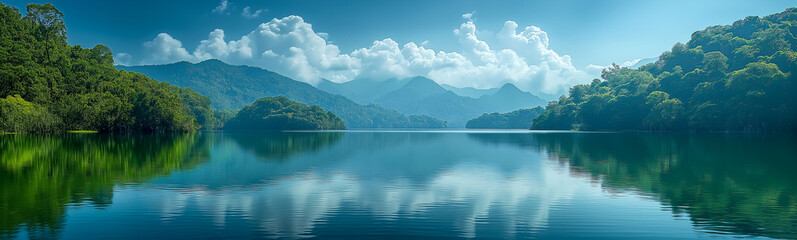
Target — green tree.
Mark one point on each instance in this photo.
(666, 113)
(715, 62)
(51, 29)
(18, 115)
(48, 18)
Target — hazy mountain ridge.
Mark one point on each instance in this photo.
(364, 91)
(469, 91)
(233, 87)
(423, 96)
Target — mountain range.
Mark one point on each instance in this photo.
(234, 87)
(423, 96)
(416, 102)
(469, 91)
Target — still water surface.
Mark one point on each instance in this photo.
(362, 184)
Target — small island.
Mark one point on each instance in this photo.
(280, 113)
(518, 119)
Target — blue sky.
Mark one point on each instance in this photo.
(577, 35)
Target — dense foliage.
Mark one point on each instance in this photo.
(222, 116)
(280, 113)
(50, 86)
(738, 77)
(233, 87)
(518, 119)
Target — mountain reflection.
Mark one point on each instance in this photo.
(41, 175)
(727, 183)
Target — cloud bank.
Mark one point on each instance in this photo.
(290, 46)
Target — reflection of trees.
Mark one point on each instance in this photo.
(281, 145)
(522, 140)
(727, 183)
(40, 175)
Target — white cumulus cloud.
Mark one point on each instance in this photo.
(248, 13)
(222, 8)
(468, 15)
(290, 46)
(630, 62)
(165, 49)
(596, 69)
(123, 59)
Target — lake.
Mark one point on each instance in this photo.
(398, 184)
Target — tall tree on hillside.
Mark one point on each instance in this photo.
(50, 24)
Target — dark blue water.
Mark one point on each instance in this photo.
(425, 184)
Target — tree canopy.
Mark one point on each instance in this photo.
(738, 77)
(50, 86)
(280, 113)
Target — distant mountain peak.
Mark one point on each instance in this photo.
(643, 61)
(470, 92)
(509, 87)
(511, 93)
(421, 80)
(423, 86)
(212, 61)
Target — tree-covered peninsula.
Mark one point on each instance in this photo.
(738, 77)
(280, 113)
(518, 119)
(47, 85)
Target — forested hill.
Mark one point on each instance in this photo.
(48, 86)
(738, 77)
(280, 113)
(233, 87)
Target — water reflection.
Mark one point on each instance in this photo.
(399, 184)
(457, 201)
(281, 145)
(397, 180)
(727, 183)
(41, 175)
